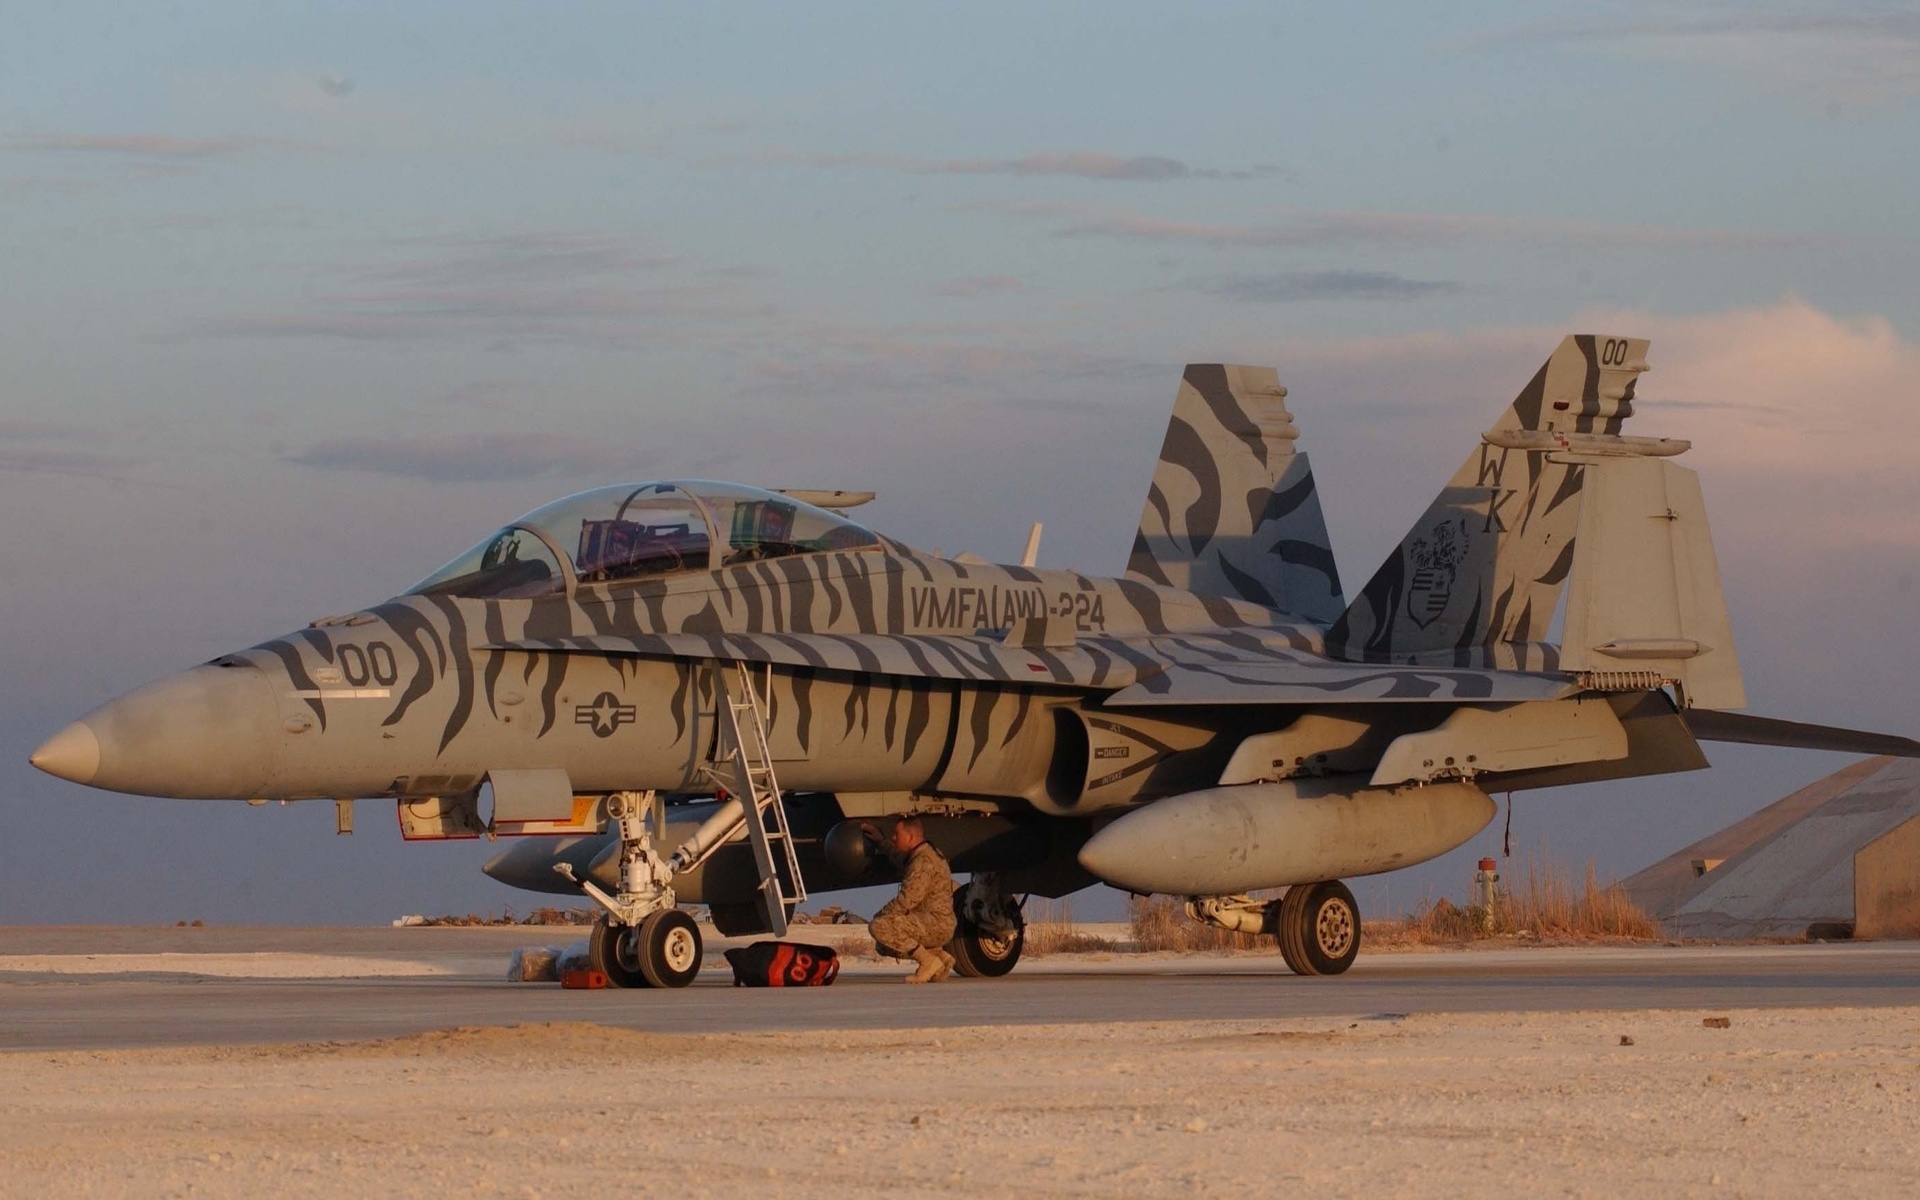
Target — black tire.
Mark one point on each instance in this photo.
(613, 950)
(669, 949)
(980, 955)
(1319, 928)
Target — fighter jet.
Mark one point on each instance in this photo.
(697, 692)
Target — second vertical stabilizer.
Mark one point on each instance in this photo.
(1476, 580)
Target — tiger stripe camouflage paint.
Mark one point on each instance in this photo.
(880, 654)
(1232, 510)
(895, 672)
(1474, 584)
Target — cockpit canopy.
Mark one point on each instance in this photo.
(640, 530)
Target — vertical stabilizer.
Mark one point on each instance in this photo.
(1476, 580)
(1233, 511)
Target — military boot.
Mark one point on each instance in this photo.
(933, 968)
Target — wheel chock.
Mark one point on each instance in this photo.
(583, 979)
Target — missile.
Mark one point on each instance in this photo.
(1258, 835)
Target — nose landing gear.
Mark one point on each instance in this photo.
(663, 951)
(614, 951)
(641, 940)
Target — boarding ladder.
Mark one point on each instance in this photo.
(744, 763)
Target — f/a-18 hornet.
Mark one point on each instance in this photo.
(699, 691)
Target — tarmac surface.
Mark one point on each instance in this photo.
(120, 988)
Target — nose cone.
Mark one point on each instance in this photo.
(72, 754)
(205, 733)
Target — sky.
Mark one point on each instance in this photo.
(300, 301)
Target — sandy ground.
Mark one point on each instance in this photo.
(1782, 1102)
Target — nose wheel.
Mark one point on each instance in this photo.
(1319, 928)
(663, 951)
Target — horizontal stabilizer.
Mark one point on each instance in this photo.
(1711, 726)
(1644, 594)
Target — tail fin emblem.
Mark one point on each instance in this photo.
(1436, 562)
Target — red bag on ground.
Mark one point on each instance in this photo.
(783, 964)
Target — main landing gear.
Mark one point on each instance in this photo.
(1316, 924)
(989, 930)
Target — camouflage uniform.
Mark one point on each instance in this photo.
(922, 914)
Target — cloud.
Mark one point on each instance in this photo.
(56, 185)
(934, 366)
(1803, 422)
(612, 132)
(472, 457)
(1794, 390)
(583, 288)
(1835, 52)
(1333, 228)
(487, 394)
(52, 460)
(30, 446)
(1287, 286)
(979, 285)
(537, 256)
(27, 429)
(140, 145)
(608, 316)
(1077, 164)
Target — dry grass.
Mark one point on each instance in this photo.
(832, 914)
(1051, 930)
(1548, 905)
(1439, 924)
(1542, 903)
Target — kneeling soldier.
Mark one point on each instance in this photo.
(919, 921)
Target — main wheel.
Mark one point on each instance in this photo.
(1319, 928)
(614, 951)
(979, 954)
(668, 946)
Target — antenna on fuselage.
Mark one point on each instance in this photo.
(1032, 553)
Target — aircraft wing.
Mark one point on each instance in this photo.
(1143, 672)
(1308, 679)
(1089, 664)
